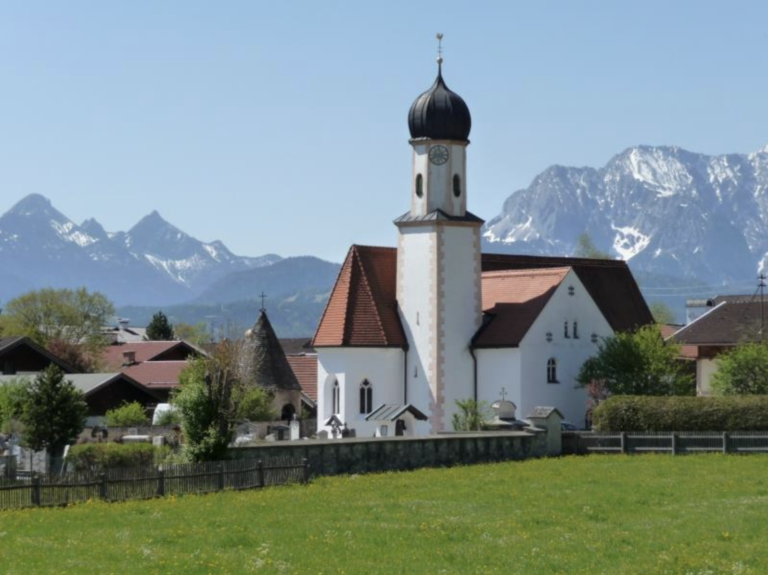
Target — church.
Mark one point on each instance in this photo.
(409, 331)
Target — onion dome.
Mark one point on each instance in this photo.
(439, 114)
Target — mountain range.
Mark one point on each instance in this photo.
(687, 223)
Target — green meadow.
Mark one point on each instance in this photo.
(613, 514)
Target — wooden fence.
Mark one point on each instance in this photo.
(681, 442)
(33, 490)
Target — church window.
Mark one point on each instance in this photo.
(552, 370)
(336, 397)
(366, 397)
(419, 185)
(575, 330)
(566, 331)
(456, 185)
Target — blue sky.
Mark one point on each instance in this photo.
(281, 126)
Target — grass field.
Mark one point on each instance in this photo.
(600, 514)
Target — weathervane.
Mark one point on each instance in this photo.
(439, 37)
(263, 296)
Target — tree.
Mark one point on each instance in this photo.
(662, 313)
(472, 415)
(195, 334)
(12, 396)
(54, 412)
(585, 248)
(256, 405)
(127, 414)
(636, 363)
(209, 402)
(159, 329)
(742, 371)
(66, 322)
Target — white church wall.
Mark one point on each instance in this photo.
(497, 369)
(570, 353)
(382, 367)
(461, 314)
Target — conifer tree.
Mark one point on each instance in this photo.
(159, 329)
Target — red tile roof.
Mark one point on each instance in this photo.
(305, 369)
(362, 309)
(686, 351)
(513, 300)
(157, 374)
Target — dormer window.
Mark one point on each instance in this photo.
(419, 185)
(457, 185)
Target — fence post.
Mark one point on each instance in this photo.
(220, 470)
(725, 442)
(261, 473)
(160, 482)
(103, 485)
(35, 488)
(305, 464)
(623, 439)
(674, 443)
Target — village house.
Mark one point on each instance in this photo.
(409, 331)
(718, 325)
(20, 355)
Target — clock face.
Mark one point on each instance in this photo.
(438, 155)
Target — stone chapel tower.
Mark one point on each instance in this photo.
(438, 258)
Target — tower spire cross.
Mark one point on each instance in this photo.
(263, 296)
(439, 37)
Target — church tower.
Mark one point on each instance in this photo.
(438, 258)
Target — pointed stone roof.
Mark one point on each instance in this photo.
(266, 364)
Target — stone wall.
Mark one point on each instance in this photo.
(370, 455)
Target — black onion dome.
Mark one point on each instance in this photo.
(439, 114)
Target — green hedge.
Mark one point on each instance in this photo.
(100, 456)
(652, 413)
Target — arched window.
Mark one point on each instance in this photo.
(419, 185)
(552, 370)
(456, 185)
(336, 397)
(366, 397)
(575, 330)
(566, 331)
(287, 412)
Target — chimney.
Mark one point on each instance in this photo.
(129, 358)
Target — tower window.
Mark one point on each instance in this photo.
(366, 397)
(552, 370)
(566, 331)
(419, 185)
(336, 397)
(456, 185)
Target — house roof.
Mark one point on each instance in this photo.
(686, 351)
(157, 374)
(265, 361)
(728, 323)
(296, 345)
(145, 351)
(512, 301)
(362, 309)
(8, 344)
(88, 383)
(305, 369)
(390, 412)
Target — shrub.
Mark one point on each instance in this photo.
(168, 417)
(644, 413)
(742, 371)
(101, 456)
(127, 415)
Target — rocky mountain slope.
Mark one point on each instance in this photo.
(697, 219)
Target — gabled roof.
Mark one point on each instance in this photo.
(512, 301)
(146, 351)
(305, 369)
(266, 363)
(362, 309)
(157, 374)
(88, 383)
(8, 344)
(390, 412)
(686, 351)
(728, 323)
(609, 282)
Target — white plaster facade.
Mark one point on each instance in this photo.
(705, 369)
